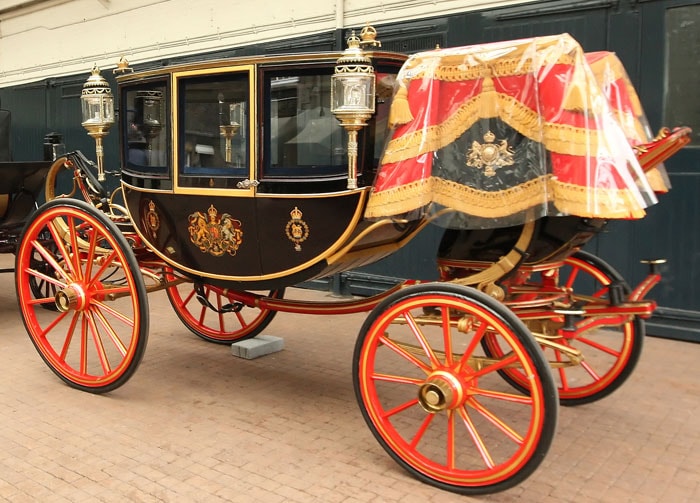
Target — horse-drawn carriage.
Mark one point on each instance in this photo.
(238, 180)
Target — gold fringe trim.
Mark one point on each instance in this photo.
(466, 65)
(568, 198)
(594, 202)
(399, 200)
(490, 204)
(558, 138)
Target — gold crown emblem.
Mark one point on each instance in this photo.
(212, 211)
(296, 214)
(151, 206)
(489, 137)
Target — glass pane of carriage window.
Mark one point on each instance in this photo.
(303, 137)
(682, 106)
(146, 128)
(214, 127)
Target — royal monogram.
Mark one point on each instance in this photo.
(296, 230)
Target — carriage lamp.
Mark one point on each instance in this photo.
(353, 92)
(230, 124)
(149, 106)
(98, 113)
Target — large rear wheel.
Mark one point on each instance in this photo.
(215, 314)
(609, 353)
(435, 401)
(96, 336)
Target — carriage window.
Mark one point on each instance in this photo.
(302, 137)
(146, 127)
(213, 123)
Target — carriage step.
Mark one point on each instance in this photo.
(257, 346)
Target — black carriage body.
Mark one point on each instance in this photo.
(554, 239)
(236, 172)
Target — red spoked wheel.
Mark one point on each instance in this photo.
(609, 353)
(95, 338)
(435, 401)
(215, 314)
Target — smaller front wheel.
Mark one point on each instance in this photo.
(95, 335)
(436, 402)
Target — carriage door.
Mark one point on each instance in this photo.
(303, 169)
(214, 161)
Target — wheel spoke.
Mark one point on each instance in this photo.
(561, 370)
(405, 354)
(450, 441)
(99, 344)
(447, 337)
(49, 258)
(400, 408)
(494, 367)
(473, 344)
(599, 346)
(397, 379)
(421, 430)
(75, 319)
(63, 251)
(496, 421)
(84, 327)
(500, 395)
(572, 277)
(421, 340)
(113, 336)
(476, 438)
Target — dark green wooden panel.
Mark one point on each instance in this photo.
(28, 107)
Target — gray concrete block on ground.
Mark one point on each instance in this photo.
(257, 346)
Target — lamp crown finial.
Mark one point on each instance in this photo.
(368, 36)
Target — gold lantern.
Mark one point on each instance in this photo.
(98, 113)
(353, 92)
(149, 106)
(230, 124)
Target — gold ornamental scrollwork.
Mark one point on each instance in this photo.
(215, 234)
(296, 229)
(489, 155)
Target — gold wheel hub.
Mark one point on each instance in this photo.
(71, 297)
(442, 390)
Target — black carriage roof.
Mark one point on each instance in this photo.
(311, 59)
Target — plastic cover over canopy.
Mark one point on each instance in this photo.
(508, 132)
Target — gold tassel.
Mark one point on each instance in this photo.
(488, 99)
(400, 112)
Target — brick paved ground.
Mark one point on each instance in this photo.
(197, 424)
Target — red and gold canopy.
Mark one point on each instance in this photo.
(512, 131)
(625, 105)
